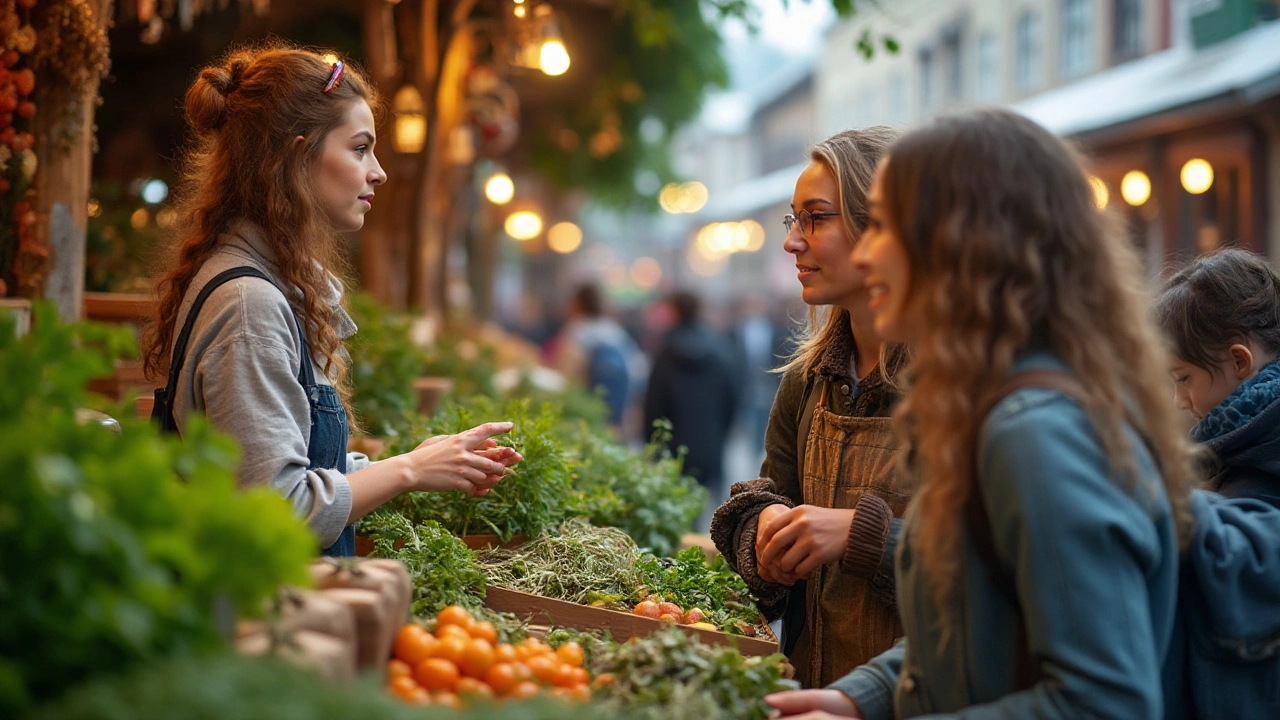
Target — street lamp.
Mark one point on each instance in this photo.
(1135, 187)
(411, 120)
(1197, 176)
(523, 225)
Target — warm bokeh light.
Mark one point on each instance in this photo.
(755, 235)
(680, 198)
(1101, 196)
(500, 189)
(705, 266)
(523, 225)
(646, 273)
(1197, 176)
(94, 208)
(1135, 188)
(564, 237)
(139, 218)
(411, 121)
(166, 218)
(553, 58)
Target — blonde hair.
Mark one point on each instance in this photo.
(850, 156)
(1008, 251)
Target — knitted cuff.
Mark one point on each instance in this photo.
(867, 537)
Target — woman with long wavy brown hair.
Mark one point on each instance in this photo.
(1037, 569)
(251, 324)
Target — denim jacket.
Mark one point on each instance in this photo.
(1095, 562)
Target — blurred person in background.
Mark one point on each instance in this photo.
(759, 348)
(693, 385)
(814, 536)
(595, 350)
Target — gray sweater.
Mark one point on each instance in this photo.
(241, 372)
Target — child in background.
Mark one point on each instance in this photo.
(1222, 316)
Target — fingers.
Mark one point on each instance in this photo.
(784, 538)
(504, 455)
(813, 704)
(793, 702)
(474, 437)
(433, 440)
(767, 532)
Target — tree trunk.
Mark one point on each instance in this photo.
(62, 181)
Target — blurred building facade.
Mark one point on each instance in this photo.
(1144, 86)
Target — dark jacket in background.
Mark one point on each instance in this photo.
(692, 385)
(1243, 434)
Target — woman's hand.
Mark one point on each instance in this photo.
(470, 461)
(796, 542)
(813, 704)
(766, 516)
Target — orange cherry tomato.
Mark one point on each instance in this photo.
(581, 693)
(522, 671)
(414, 644)
(447, 699)
(454, 615)
(543, 668)
(485, 631)
(451, 649)
(580, 676)
(471, 687)
(501, 677)
(398, 668)
(436, 674)
(570, 653)
(444, 632)
(603, 679)
(505, 653)
(524, 690)
(562, 677)
(477, 657)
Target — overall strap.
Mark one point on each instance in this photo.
(814, 390)
(979, 522)
(162, 411)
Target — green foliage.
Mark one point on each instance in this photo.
(229, 687)
(645, 494)
(384, 363)
(671, 676)
(580, 411)
(470, 366)
(442, 567)
(117, 546)
(535, 496)
(690, 582)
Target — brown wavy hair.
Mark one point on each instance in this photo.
(1008, 252)
(243, 164)
(851, 157)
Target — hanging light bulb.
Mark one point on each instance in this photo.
(500, 189)
(554, 58)
(411, 120)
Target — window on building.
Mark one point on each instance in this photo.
(953, 64)
(988, 85)
(1076, 37)
(1028, 41)
(1127, 41)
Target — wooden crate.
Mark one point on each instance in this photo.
(621, 625)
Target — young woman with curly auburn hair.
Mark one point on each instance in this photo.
(1037, 570)
(250, 310)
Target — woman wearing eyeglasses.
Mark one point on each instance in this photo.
(814, 536)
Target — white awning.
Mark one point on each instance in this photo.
(1246, 66)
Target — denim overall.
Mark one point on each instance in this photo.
(327, 446)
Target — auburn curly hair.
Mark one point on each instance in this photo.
(1007, 250)
(244, 164)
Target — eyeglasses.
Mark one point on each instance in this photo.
(806, 219)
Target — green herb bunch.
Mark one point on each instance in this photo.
(689, 581)
(535, 496)
(645, 494)
(578, 563)
(443, 569)
(672, 676)
(384, 363)
(118, 546)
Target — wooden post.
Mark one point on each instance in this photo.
(62, 180)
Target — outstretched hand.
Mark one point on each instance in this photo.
(813, 704)
(470, 461)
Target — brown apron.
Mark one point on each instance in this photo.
(846, 624)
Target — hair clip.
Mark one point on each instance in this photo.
(333, 77)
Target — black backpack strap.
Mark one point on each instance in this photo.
(979, 522)
(162, 411)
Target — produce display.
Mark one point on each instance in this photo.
(463, 661)
(118, 546)
(442, 568)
